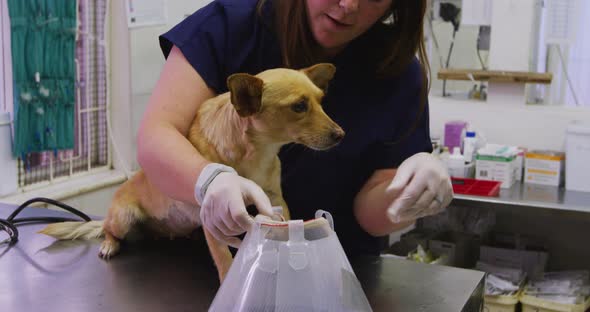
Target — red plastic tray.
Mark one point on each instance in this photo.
(476, 187)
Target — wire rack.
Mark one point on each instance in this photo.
(91, 149)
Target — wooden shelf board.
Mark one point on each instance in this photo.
(495, 76)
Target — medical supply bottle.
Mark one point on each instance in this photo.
(456, 163)
(469, 146)
(444, 156)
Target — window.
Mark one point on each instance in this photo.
(91, 149)
(578, 65)
(573, 64)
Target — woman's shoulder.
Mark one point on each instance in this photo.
(220, 22)
(411, 75)
(416, 72)
(408, 81)
(223, 37)
(220, 14)
(242, 9)
(238, 4)
(228, 12)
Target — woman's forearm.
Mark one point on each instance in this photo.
(166, 156)
(371, 203)
(170, 161)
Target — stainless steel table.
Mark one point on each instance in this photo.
(40, 274)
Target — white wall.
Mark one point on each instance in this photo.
(94, 203)
(463, 56)
(531, 126)
(136, 62)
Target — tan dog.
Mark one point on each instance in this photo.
(243, 128)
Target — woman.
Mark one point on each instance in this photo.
(378, 180)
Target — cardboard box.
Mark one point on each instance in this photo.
(516, 251)
(540, 193)
(462, 248)
(445, 248)
(496, 168)
(497, 162)
(544, 167)
(533, 262)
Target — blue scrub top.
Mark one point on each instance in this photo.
(227, 37)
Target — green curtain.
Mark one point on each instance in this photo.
(43, 36)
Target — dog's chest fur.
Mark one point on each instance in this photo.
(181, 219)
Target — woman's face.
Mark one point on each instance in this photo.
(335, 23)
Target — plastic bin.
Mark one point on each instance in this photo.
(534, 304)
(500, 303)
(476, 187)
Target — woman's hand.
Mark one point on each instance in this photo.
(223, 210)
(421, 187)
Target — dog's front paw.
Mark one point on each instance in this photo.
(108, 248)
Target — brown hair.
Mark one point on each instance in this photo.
(399, 40)
(390, 45)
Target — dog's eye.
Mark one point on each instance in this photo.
(299, 107)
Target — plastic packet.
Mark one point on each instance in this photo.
(495, 285)
(571, 287)
(500, 280)
(515, 276)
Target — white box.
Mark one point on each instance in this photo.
(540, 193)
(496, 168)
(544, 167)
(577, 166)
(445, 248)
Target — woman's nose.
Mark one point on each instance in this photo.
(349, 6)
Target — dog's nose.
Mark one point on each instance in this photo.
(337, 135)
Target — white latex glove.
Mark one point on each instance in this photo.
(223, 212)
(421, 187)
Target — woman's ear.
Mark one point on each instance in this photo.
(320, 74)
(246, 93)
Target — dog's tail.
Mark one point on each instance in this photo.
(74, 230)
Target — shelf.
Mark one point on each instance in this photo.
(494, 76)
(533, 196)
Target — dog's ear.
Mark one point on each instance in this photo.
(320, 74)
(246, 93)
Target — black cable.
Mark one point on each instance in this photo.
(8, 225)
(483, 66)
(48, 201)
(448, 61)
(449, 13)
(11, 229)
(42, 220)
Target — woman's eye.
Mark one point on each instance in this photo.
(299, 107)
